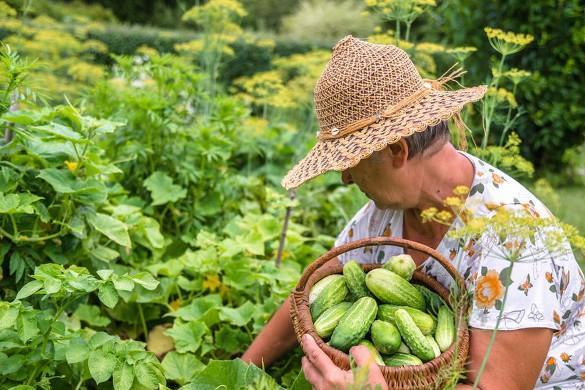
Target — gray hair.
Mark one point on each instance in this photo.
(420, 141)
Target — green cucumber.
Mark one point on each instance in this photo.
(385, 336)
(404, 348)
(412, 336)
(320, 286)
(401, 265)
(333, 293)
(445, 333)
(354, 324)
(390, 288)
(327, 321)
(355, 279)
(434, 344)
(425, 322)
(402, 359)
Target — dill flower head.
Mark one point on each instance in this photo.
(506, 42)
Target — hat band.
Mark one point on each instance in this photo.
(391, 110)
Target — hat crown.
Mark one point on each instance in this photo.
(361, 80)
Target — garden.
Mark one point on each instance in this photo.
(145, 239)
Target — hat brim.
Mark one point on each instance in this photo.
(342, 153)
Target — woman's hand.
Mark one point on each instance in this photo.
(324, 375)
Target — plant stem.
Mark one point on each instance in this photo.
(493, 337)
(144, 328)
(397, 32)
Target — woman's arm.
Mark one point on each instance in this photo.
(516, 359)
(277, 338)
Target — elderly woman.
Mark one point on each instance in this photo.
(384, 128)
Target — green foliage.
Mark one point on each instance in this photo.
(552, 124)
(328, 20)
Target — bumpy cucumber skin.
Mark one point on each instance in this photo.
(391, 288)
(413, 337)
(320, 286)
(327, 321)
(334, 293)
(434, 344)
(375, 354)
(402, 359)
(402, 265)
(354, 325)
(425, 322)
(445, 333)
(385, 336)
(355, 278)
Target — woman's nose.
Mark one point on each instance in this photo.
(346, 177)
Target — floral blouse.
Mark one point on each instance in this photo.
(545, 290)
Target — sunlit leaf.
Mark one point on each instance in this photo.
(162, 189)
(101, 365)
(110, 227)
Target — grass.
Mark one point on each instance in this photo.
(571, 210)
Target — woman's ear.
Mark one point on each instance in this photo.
(399, 153)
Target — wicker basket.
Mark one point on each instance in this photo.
(425, 376)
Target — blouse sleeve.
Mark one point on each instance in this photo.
(535, 291)
(369, 221)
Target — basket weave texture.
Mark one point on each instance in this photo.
(422, 377)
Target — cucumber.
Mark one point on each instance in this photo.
(320, 286)
(445, 333)
(333, 293)
(385, 336)
(401, 265)
(425, 322)
(354, 324)
(434, 344)
(355, 279)
(412, 336)
(327, 321)
(402, 359)
(391, 288)
(432, 299)
(373, 351)
(404, 348)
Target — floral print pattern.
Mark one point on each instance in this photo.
(488, 290)
(544, 289)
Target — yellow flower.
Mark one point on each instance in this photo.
(71, 165)
(461, 53)
(212, 282)
(428, 214)
(505, 42)
(444, 216)
(453, 201)
(461, 190)
(488, 290)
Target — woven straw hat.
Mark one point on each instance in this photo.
(370, 96)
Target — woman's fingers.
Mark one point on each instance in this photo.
(362, 355)
(311, 373)
(317, 357)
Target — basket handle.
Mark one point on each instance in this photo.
(377, 241)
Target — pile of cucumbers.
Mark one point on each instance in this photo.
(400, 322)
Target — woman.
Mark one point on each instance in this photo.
(383, 127)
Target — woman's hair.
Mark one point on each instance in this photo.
(423, 140)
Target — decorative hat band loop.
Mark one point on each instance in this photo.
(428, 86)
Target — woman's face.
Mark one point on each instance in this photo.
(387, 178)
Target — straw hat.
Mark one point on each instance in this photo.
(370, 96)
